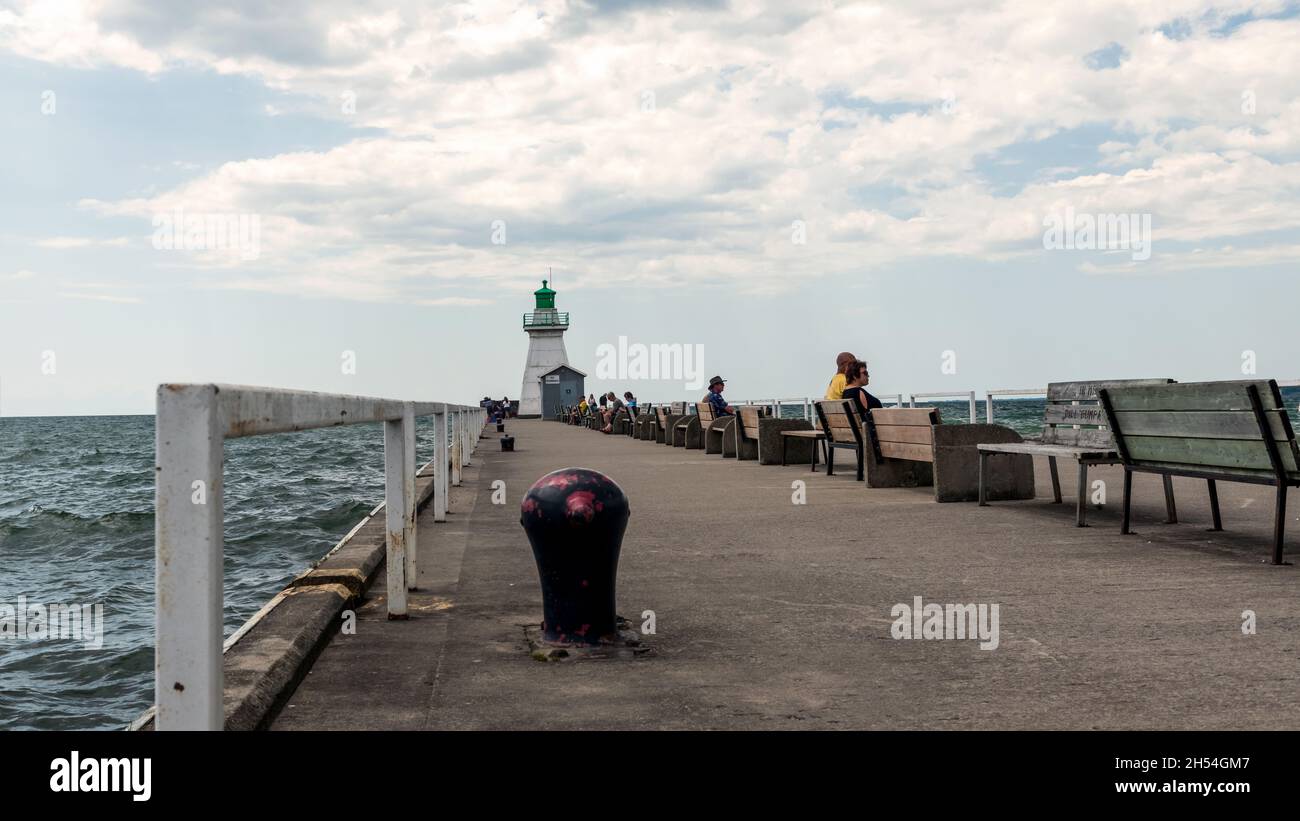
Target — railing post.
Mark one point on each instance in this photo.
(188, 561)
(408, 474)
(972, 407)
(457, 443)
(395, 479)
(440, 467)
(988, 408)
(471, 435)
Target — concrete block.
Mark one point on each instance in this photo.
(717, 434)
(729, 438)
(693, 435)
(956, 465)
(670, 424)
(797, 450)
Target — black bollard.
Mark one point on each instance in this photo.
(508, 443)
(575, 520)
(501, 427)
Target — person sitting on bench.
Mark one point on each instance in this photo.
(715, 400)
(630, 401)
(612, 406)
(835, 390)
(856, 388)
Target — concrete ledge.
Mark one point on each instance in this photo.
(769, 441)
(956, 465)
(265, 667)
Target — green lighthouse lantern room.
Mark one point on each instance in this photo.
(545, 298)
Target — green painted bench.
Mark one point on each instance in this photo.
(1074, 427)
(1235, 431)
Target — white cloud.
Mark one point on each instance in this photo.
(678, 145)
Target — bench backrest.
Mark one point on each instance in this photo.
(903, 433)
(678, 408)
(839, 421)
(748, 416)
(1238, 428)
(705, 410)
(1075, 403)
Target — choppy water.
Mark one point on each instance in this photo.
(76, 527)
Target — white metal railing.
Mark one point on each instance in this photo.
(896, 399)
(988, 398)
(912, 397)
(191, 426)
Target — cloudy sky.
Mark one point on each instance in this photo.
(774, 181)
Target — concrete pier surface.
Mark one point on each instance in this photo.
(774, 615)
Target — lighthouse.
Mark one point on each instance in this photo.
(545, 327)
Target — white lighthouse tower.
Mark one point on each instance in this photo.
(545, 327)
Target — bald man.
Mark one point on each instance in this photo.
(835, 390)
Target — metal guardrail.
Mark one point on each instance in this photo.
(896, 399)
(988, 398)
(546, 319)
(191, 426)
(912, 397)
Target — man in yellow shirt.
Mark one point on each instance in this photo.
(836, 389)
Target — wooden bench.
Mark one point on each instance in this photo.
(620, 422)
(645, 422)
(1235, 431)
(812, 437)
(910, 448)
(1074, 427)
(757, 435)
(689, 431)
(842, 429)
(745, 431)
(667, 419)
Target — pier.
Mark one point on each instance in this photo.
(769, 614)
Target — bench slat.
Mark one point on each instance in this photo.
(1083, 437)
(1203, 425)
(1212, 472)
(900, 450)
(905, 416)
(1194, 396)
(1084, 390)
(1225, 453)
(1074, 415)
(906, 434)
(1040, 449)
